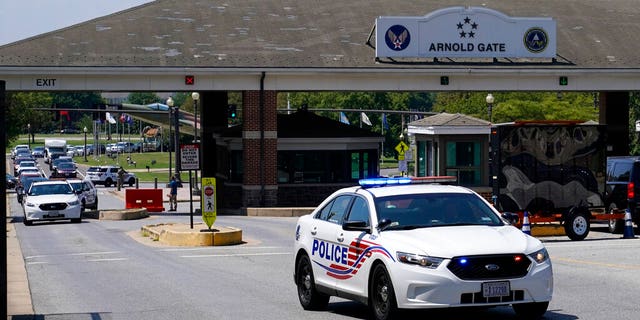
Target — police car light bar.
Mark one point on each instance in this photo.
(381, 182)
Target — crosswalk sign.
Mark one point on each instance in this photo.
(402, 148)
(209, 212)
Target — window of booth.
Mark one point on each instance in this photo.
(463, 161)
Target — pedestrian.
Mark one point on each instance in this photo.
(173, 194)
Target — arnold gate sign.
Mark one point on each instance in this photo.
(462, 32)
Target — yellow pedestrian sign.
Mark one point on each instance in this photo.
(402, 148)
(209, 213)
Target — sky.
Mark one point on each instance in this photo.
(21, 19)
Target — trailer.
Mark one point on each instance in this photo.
(553, 170)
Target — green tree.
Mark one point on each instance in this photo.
(21, 112)
(143, 98)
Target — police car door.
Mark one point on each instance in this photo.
(329, 255)
(354, 280)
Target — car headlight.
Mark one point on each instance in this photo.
(424, 261)
(540, 256)
(74, 203)
(29, 204)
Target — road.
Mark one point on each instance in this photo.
(106, 270)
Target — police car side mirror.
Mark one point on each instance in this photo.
(356, 226)
(511, 217)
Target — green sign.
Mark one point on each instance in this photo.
(209, 213)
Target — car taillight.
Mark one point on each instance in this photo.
(630, 190)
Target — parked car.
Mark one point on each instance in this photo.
(622, 189)
(108, 176)
(86, 191)
(396, 245)
(51, 200)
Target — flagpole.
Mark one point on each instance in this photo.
(382, 129)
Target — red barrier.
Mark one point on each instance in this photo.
(151, 199)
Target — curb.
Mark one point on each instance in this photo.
(180, 235)
(123, 214)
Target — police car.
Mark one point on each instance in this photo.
(400, 243)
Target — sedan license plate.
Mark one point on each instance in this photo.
(53, 214)
(496, 289)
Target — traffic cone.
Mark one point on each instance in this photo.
(628, 226)
(526, 227)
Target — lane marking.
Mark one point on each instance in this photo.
(600, 264)
(113, 259)
(37, 262)
(210, 248)
(237, 255)
(71, 254)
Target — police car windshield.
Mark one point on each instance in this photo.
(411, 211)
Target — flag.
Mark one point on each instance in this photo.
(65, 113)
(110, 118)
(364, 118)
(385, 124)
(343, 118)
(122, 117)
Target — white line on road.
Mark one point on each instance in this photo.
(237, 255)
(72, 254)
(113, 259)
(216, 248)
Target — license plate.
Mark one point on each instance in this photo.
(496, 289)
(53, 214)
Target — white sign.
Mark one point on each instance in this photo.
(189, 157)
(472, 32)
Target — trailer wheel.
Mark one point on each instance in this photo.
(615, 225)
(576, 226)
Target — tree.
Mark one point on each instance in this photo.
(143, 98)
(20, 112)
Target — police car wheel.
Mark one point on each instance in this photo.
(382, 298)
(309, 297)
(533, 310)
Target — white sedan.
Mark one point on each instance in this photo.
(51, 200)
(393, 244)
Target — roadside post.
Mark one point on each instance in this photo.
(208, 199)
(190, 160)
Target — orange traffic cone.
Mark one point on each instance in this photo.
(628, 226)
(526, 227)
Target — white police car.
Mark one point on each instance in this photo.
(394, 244)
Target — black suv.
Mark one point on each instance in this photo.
(623, 189)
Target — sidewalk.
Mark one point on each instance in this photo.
(18, 294)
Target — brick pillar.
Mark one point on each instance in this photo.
(614, 112)
(260, 148)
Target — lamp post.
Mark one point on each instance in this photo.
(489, 99)
(169, 137)
(196, 96)
(29, 135)
(85, 144)
(176, 116)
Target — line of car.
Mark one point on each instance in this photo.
(62, 195)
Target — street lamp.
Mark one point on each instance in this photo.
(85, 144)
(490, 99)
(29, 135)
(170, 104)
(196, 96)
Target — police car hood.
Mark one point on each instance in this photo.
(52, 198)
(447, 242)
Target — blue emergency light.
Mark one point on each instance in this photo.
(383, 181)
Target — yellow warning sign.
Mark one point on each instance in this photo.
(209, 213)
(402, 148)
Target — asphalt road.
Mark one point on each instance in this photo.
(105, 270)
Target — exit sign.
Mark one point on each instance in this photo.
(564, 81)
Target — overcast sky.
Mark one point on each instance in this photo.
(21, 19)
